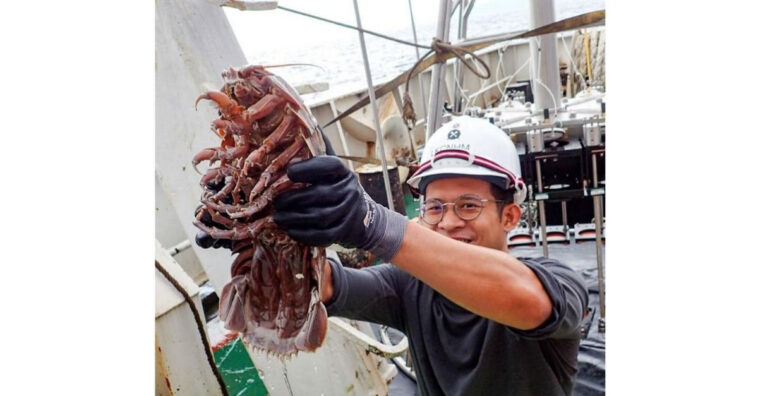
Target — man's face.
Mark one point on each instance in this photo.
(488, 230)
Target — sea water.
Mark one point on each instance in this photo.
(339, 55)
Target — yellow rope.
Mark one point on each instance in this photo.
(587, 53)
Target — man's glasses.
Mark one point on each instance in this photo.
(467, 207)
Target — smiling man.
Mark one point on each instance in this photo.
(479, 320)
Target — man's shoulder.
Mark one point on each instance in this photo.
(543, 265)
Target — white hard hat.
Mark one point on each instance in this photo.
(468, 146)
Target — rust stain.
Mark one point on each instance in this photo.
(370, 149)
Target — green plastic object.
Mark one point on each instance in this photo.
(238, 371)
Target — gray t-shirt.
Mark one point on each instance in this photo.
(456, 352)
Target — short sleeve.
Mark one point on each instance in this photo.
(568, 296)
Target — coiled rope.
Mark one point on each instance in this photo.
(439, 48)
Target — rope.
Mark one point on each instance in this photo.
(353, 27)
(574, 68)
(199, 324)
(440, 47)
(409, 115)
(587, 53)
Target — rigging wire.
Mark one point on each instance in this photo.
(500, 63)
(463, 95)
(527, 62)
(354, 28)
(508, 78)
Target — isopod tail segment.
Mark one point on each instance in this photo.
(232, 302)
(313, 332)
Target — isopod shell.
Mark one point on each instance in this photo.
(272, 299)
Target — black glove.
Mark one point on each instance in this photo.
(335, 209)
(206, 241)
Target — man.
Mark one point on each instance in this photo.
(479, 321)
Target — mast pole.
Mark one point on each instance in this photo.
(434, 116)
(544, 57)
(463, 15)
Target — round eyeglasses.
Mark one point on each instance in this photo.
(467, 207)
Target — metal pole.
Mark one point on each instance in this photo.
(541, 207)
(544, 56)
(596, 201)
(529, 209)
(457, 72)
(564, 214)
(462, 32)
(418, 56)
(372, 96)
(434, 117)
(179, 247)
